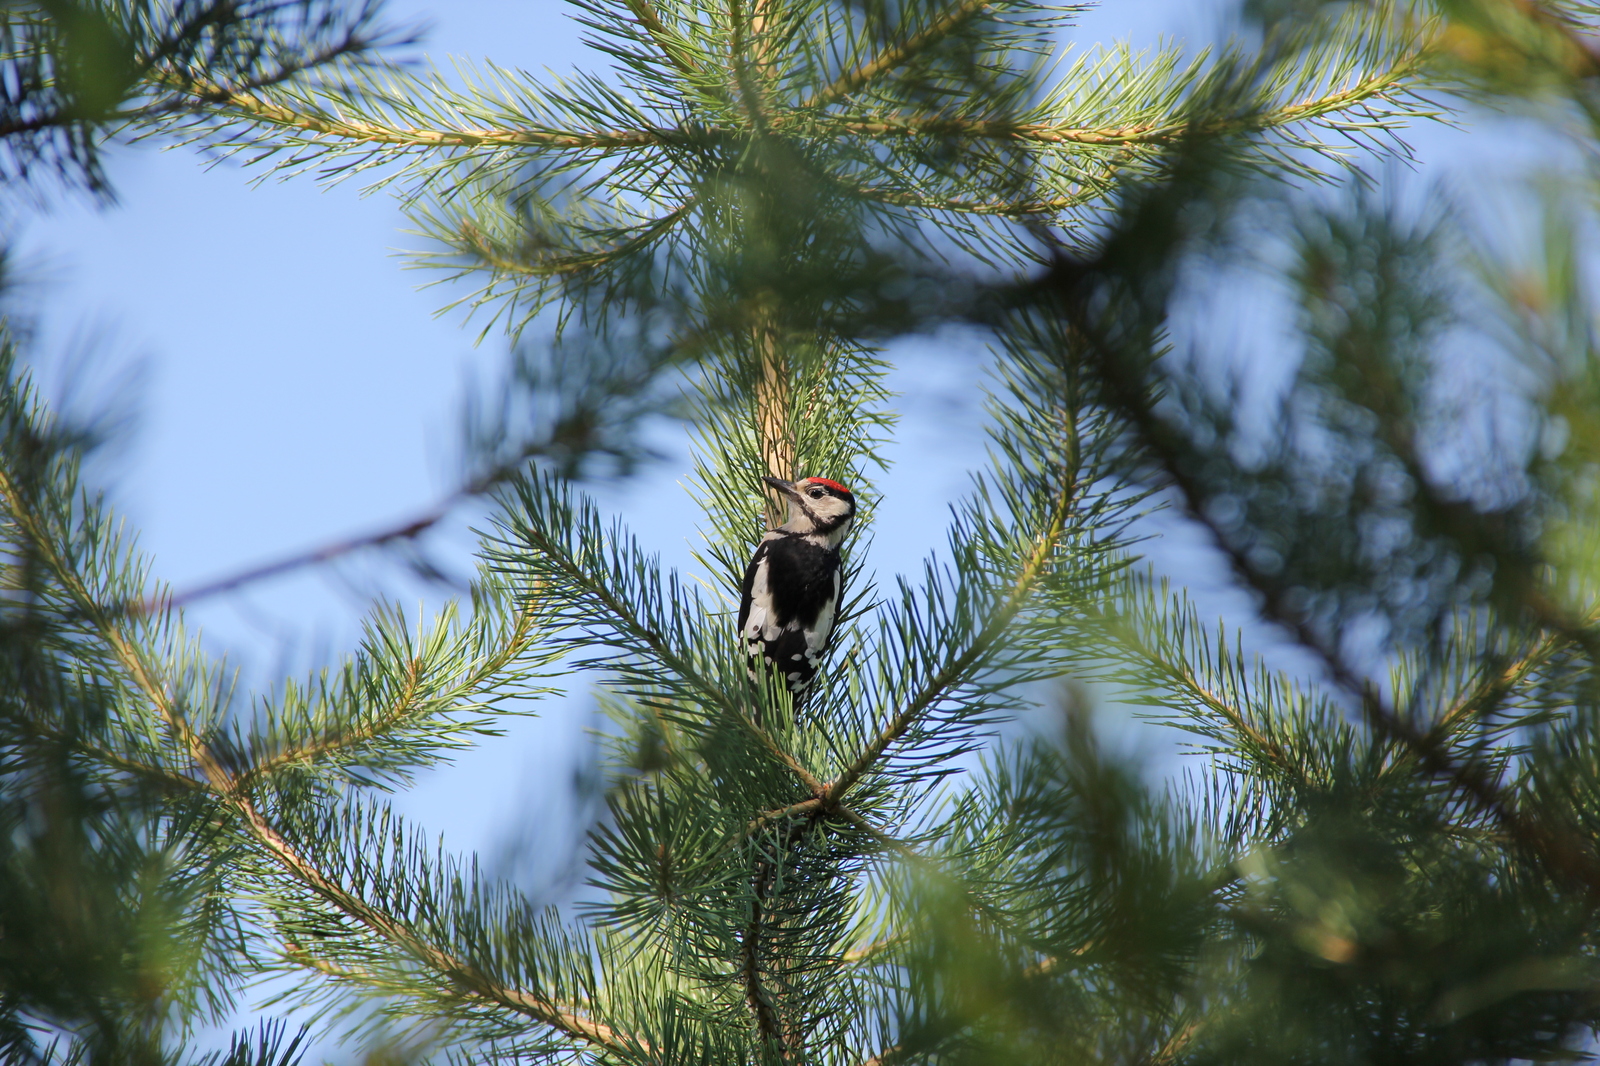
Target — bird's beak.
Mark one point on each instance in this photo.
(785, 487)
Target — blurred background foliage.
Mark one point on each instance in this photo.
(1383, 852)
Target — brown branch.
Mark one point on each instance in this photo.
(751, 97)
(772, 398)
(766, 818)
(762, 992)
(408, 529)
(757, 997)
(890, 58)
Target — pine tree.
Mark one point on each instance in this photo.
(1390, 860)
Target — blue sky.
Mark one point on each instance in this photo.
(295, 386)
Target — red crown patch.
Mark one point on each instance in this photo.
(829, 483)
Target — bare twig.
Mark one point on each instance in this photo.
(408, 529)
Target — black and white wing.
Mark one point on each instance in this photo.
(787, 605)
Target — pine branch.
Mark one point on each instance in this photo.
(766, 818)
(750, 95)
(640, 636)
(230, 789)
(768, 1022)
(1492, 690)
(644, 14)
(468, 977)
(413, 697)
(647, 232)
(1562, 851)
(1157, 135)
(247, 105)
(163, 781)
(890, 58)
(1000, 617)
(1175, 671)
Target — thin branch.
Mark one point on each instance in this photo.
(1185, 679)
(1238, 723)
(160, 778)
(1491, 690)
(1144, 134)
(407, 529)
(750, 94)
(462, 973)
(768, 1023)
(186, 99)
(766, 818)
(1003, 613)
(253, 107)
(250, 106)
(645, 15)
(769, 1019)
(484, 249)
(896, 55)
(516, 642)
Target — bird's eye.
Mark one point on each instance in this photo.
(816, 494)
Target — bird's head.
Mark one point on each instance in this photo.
(817, 506)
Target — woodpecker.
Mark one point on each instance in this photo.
(791, 587)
